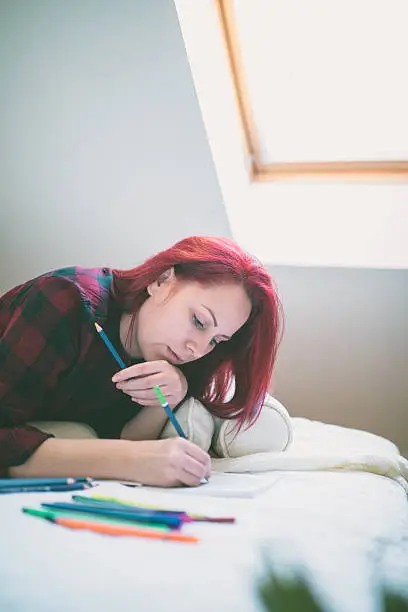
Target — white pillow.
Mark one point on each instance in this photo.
(196, 422)
(272, 431)
(65, 429)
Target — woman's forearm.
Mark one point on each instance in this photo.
(146, 425)
(171, 462)
(62, 457)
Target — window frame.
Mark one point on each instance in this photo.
(390, 170)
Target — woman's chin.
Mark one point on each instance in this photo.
(158, 354)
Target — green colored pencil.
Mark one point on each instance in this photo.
(52, 514)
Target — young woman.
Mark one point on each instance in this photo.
(191, 319)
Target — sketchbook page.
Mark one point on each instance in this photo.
(220, 484)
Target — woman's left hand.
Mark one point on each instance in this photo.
(138, 381)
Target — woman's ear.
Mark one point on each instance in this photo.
(166, 278)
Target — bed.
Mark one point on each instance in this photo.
(333, 509)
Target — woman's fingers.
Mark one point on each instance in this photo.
(146, 395)
(141, 384)
(139, 381)
(140, 370)
(149, 398)
(171, 462)
(199, 456)
(195, 464)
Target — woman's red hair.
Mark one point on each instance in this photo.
(248, 358)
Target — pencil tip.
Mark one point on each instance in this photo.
(98, 327)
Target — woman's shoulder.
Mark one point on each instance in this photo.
(66, 288)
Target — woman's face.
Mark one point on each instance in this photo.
(183, 321)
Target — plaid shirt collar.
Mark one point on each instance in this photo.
(94, 286)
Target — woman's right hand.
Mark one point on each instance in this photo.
(168, 463)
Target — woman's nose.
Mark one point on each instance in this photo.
(191, 351)
(197, 348)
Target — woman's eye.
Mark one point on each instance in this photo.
(214, 342)
(199, 324)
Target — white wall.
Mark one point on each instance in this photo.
(344, 354)
(104, 157)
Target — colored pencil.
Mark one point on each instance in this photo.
(159, 394)
(165, 405)
(110, 529)
(46, 488)
(186, 516)
(101, 518)
(19, 482)
(145, 516)
(113, 503)
(110, 346)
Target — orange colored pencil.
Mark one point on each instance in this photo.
(120, 530)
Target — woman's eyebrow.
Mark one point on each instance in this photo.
(214, 320)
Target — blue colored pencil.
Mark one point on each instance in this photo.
(159, 394)
(110, 346)
(129, 514)
(101, 503)
(122, 503)
(79, 486)
(164, 404)
(31, 482)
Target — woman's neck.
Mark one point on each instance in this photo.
(129, 343)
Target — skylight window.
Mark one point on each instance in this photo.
(320, 85)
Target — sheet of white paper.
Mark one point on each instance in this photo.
(222, 484)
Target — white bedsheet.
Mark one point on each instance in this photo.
(346, 530)
(322, 446)
(339, 527)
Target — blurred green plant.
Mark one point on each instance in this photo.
(294, 595)
(394, 602)
(287, 595)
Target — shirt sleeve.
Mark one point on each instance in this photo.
(40, 330)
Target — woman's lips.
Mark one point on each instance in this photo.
(174, 356)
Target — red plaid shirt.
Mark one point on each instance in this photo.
(53, 364)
